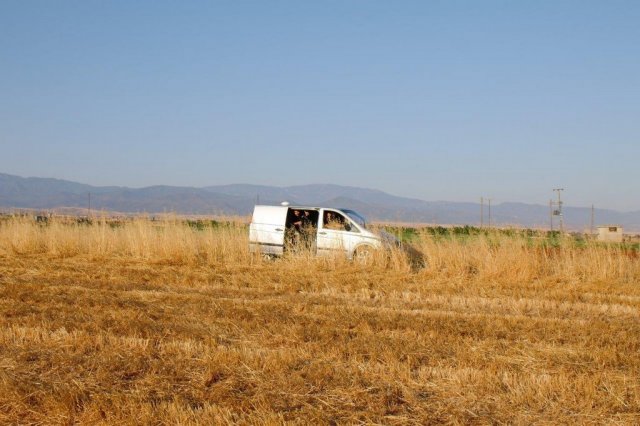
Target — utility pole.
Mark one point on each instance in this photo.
(89, 210)
(489, 201)
(593, 213)
(559, 190)
(481, 212)
(551, 215)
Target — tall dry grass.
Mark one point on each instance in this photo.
(158, 322)
(491, 256)
(170, 240)
(496, 256)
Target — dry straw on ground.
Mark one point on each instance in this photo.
(159, 322)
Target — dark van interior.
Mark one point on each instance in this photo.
(300, 229)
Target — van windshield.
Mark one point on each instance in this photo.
(356, 218)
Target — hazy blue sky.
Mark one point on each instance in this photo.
(438, 100)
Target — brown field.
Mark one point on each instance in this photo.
(162, 323)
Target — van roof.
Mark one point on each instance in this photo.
(278, 214)
(303, 207)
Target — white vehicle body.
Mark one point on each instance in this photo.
(271, 224)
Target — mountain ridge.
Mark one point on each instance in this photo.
(239, 199)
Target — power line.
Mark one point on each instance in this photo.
(559, 211)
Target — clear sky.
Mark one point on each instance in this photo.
(439, 100)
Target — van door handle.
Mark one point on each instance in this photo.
(322, 233)
(279, 229)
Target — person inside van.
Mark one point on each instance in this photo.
(307, 229)
(333, 221)
(306, 219)
(293, 228)
(297, 220)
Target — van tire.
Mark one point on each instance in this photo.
(363, 255)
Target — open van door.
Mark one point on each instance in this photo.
(266, 233)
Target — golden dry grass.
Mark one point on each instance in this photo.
(158, 322)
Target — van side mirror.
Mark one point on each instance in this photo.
(347, 226)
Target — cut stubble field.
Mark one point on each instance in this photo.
(162, 323)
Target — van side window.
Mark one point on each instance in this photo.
(336, 221)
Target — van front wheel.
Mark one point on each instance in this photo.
(363, 255)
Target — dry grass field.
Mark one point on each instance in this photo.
(163, 323)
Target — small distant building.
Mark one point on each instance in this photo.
(610, 233)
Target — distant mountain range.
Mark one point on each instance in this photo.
(239, 199)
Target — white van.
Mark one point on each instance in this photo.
(275, 230)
